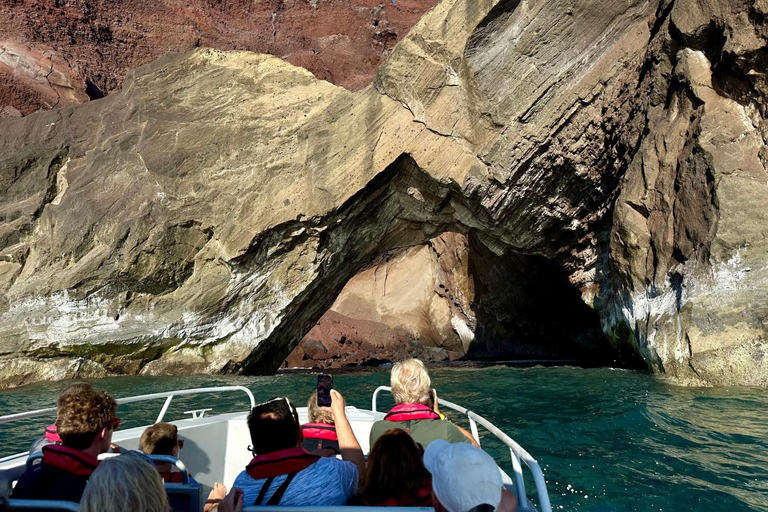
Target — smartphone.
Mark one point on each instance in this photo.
(324, 386)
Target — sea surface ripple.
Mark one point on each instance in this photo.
(607, 440)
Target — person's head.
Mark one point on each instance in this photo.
(410, 382)
(124, 484)
(394, 468)
(316, 413)
(161, 439)
(464, 477)
(274, 425)
(86, 418)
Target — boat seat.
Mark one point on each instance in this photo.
(34, 459)
(185, 496)
(42, 505)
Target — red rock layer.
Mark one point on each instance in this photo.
(342, 41)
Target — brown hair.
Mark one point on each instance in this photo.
(82, 413)
(317, 414)
(159, 439)
(395, 468)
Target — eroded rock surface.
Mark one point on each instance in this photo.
(454, 298)
(99, 41)
(205, 217)
(689, 243)
(33, 78)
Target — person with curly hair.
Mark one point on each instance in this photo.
(85, 421)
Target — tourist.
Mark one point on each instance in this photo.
(126, 483)
(320, 433)
(163, 439)
(51, 435)
(395, 473)
(466, 479)
(221, 501)
(85, 422)
(412, 390)
(282, 472)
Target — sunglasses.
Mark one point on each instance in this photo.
(282, 399)
(180, 443)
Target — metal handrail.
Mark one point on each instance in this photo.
(516, 451)
(168, 395)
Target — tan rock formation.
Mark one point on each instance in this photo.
(689, 241)
(413, 301)
(208, 214)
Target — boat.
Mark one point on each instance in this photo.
(216, 449)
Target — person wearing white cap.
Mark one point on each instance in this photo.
(466, 479)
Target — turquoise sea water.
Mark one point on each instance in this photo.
(607, 440)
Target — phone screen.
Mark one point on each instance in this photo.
(324, 386)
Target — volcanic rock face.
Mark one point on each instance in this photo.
(343, 42)
(38, 78)
(454, 298)
(689, 243)
(203, 218)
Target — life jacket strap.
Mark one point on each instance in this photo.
(275, 498)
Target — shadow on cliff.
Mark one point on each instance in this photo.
(526, 308)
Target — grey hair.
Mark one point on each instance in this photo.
(125, 483)
(410, 382)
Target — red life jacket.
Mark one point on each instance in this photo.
(171, 477)
(423, 498)
(70, 460)
(409, 412)
(281, 462)
(319, 431)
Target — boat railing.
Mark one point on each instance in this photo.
(517, 452)
(168, 395)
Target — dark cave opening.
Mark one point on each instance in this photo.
(523, 311)
(527, 309)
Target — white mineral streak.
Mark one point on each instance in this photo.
(466, 334)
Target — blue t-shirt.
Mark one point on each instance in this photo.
(326, 483)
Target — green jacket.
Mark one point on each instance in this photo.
(422, 431)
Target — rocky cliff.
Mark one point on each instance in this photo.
(204, 217)
(84, 48)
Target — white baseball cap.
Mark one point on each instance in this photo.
(463, 476)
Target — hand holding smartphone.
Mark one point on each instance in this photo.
(324, 386)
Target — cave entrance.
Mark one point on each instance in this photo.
(453, 299)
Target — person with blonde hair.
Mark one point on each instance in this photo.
(415, 409)
(126, 483)
(319, 434)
